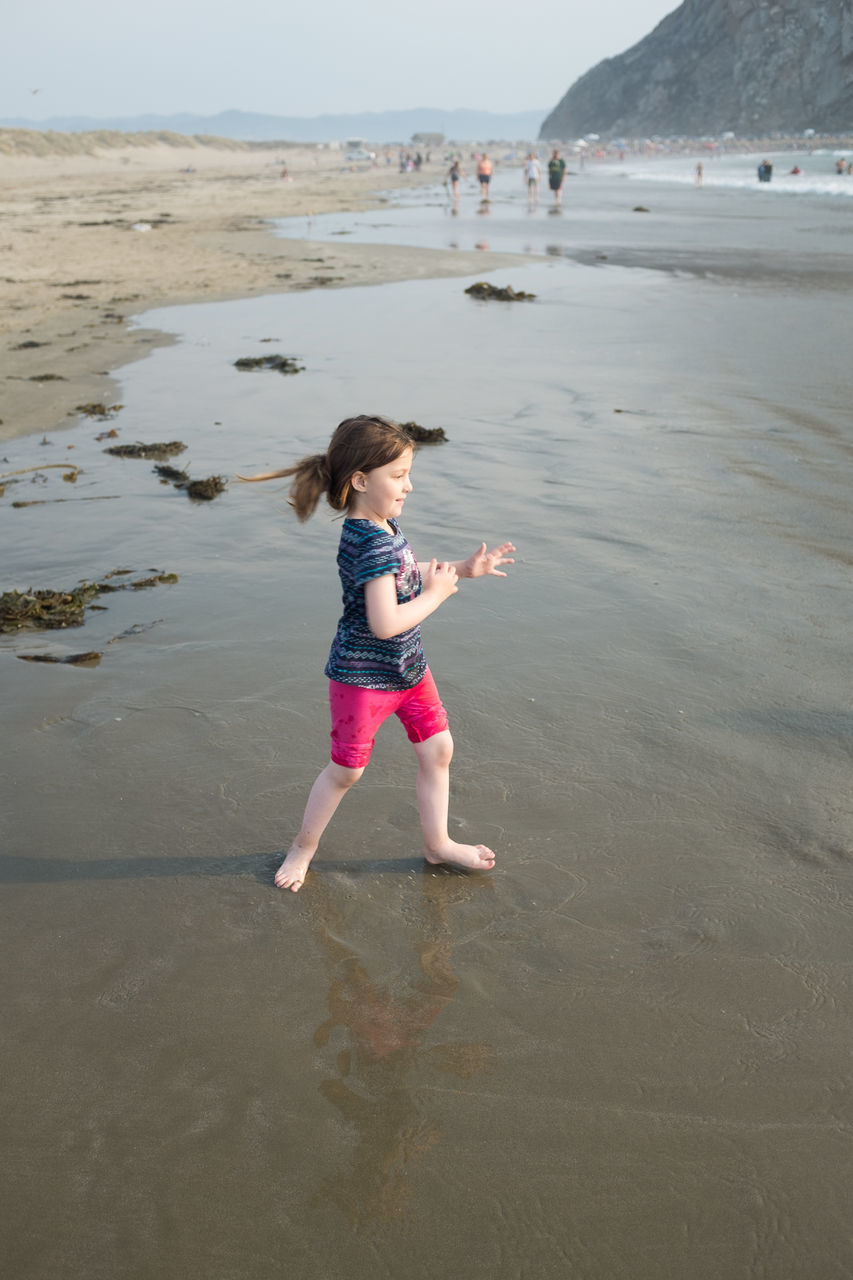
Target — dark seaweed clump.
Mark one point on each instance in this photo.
(45, 610)
(171, 475)
(424, 435)
(155, 452)
(198, 490)
(281, 364)
(49, 610)
(492, 293)
(88, 659)
(204, 490)
(96, 409)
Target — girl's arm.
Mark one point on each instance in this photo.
(387, 618)
(483, 562)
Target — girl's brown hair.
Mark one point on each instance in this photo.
(362, 443)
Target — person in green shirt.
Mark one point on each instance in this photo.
(556, 176)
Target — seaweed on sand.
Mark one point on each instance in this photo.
(281, 364)
(96, 409)
(157, 452)
(48, 610)
(70, 471)
(203, 490)
(46, 502)
(198, 490)
(167, 579)
(424, 435)
(493, 293)
(171, 475)
(45, 610)
(90, 659)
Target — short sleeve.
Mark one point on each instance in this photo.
(378, 556)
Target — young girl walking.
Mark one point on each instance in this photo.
(376, 666)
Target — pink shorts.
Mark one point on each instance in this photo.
(357, 714)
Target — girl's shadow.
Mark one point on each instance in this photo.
(19, 869)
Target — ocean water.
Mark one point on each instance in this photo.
(817, 175)
(624, 1054)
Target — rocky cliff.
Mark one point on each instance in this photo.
(753, 66)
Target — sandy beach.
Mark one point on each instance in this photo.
(73, 268)
(625, 1055)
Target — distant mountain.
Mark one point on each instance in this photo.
(376, 126)
(712, 65)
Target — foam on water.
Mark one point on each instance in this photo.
(739, 172)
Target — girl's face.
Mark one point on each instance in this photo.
(380, 494)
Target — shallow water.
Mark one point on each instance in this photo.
(643, 214)
(626, 1053)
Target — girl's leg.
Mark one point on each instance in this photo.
(326, 794)
(433, 790)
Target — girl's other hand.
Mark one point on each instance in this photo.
(488, 562)
(441, 578)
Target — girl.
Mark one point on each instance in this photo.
(376, 667)
(454, 173)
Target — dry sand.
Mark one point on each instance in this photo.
(73, 269)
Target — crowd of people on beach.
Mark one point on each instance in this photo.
(534, 166)
(531, 175)
(411, 163)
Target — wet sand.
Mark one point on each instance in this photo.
(75, 265)
(626, 1053)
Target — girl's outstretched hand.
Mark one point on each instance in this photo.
(488, 562)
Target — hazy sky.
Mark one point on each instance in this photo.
(126, 57)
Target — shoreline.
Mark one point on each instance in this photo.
(89, 242)
(76, 270)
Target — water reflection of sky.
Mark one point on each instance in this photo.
(601, 209)
(427, 218)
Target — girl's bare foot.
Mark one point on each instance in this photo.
(291, 873)
(474, 857)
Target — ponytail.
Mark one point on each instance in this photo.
(310, 482)
(358, 444)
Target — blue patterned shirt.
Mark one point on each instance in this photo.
(367, 551)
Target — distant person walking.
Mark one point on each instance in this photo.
(532, 176)
(700, 173)
(454, 173)
(556, 177)
(484, 175)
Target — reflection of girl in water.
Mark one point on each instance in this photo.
(377, 667)
(386, 1027)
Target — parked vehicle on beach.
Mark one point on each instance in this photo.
(359, 153)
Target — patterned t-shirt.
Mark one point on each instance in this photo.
(367, 551)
